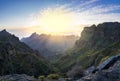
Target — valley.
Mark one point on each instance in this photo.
(78, 59)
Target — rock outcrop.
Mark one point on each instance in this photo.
(111, 73)
(105, 65)
(108, 63)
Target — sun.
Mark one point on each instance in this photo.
(55, 21)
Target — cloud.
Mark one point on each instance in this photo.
(88, 12)
(101, 9)
(82, 13)
(87, 3)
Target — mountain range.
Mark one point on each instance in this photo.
(96, 54)
(50, 45)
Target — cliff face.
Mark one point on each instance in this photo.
(17, 57)
(102, 33)
(96, 44)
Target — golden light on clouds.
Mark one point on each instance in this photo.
(55, 21)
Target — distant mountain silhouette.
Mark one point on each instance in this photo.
(50, 45)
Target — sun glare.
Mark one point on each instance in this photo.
(55, 21)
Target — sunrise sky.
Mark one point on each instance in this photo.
(57, 17)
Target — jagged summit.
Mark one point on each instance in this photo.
(34, 34)
(6, 36)
(4, 31)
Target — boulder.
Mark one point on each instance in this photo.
(110, 74)
(106, 64)
(109, 70)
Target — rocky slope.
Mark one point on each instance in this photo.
(50, 45)
(17, 57)
(111, 73)
(107, 71)
(96, 44)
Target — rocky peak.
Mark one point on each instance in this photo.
(4, 31)
(33, 34)
(6, 36)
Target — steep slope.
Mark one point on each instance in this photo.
(50, 45)
(96, 44)
(17, 57)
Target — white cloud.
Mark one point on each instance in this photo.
(87, 3)
(89, 13)
(101, 9)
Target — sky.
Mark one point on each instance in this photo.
(23, 17)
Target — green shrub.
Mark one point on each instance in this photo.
(53, 76)
(42, 77)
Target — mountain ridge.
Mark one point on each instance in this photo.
(96, 44)
(50, 45)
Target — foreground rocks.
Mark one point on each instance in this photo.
(17, 77)
(106, 64)
(111, 73)
(24, 77)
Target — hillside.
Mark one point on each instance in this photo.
(18, 58)
(96, 44)
(50, 45)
